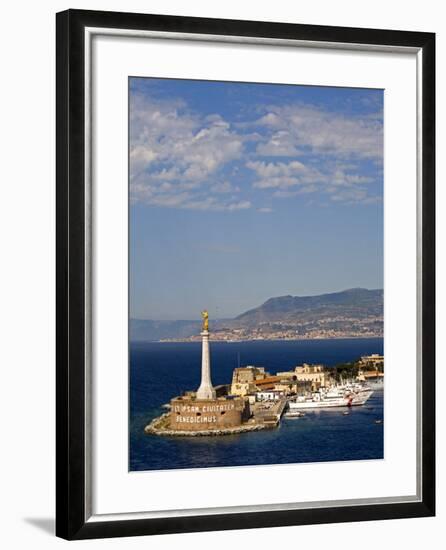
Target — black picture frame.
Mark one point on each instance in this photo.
(71, 512)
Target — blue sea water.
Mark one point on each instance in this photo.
(159, 371)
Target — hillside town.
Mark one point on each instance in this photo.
(335, 327)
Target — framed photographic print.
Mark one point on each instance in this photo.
(245, 274)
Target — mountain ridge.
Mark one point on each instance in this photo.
(353, 311)
(350, 298)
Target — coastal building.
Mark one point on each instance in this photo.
(292, 387)
(317, 375)
(370, 376)
(245, 380)
(372, 362)
(249, 374)
(243, 389)
(250, 380)
(268, 383)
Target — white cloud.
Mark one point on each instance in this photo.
(279, 145)
(183, 159)
(302, 126)
(271, 169)
(282, 175)
(225, 187)
(331, 148)
(188, 201)
(290, 179)
(174, 152)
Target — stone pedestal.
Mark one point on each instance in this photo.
(205, 391)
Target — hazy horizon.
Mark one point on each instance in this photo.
(198, 316)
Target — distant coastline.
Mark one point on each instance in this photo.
(303, 339)
(352, 313)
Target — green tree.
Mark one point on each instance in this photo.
(345, 371)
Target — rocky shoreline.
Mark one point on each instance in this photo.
(160, 426)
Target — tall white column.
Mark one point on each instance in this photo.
(205, 391)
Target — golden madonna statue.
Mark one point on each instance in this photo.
(205, 316)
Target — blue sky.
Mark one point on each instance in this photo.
(240, 192)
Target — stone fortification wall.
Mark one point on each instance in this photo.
(189, 414)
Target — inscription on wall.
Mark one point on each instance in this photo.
(210, 414)
(202, 414)
(196, 419)
(204, 408)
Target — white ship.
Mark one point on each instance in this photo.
(337, 396)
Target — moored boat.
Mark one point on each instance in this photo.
(336, 396)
